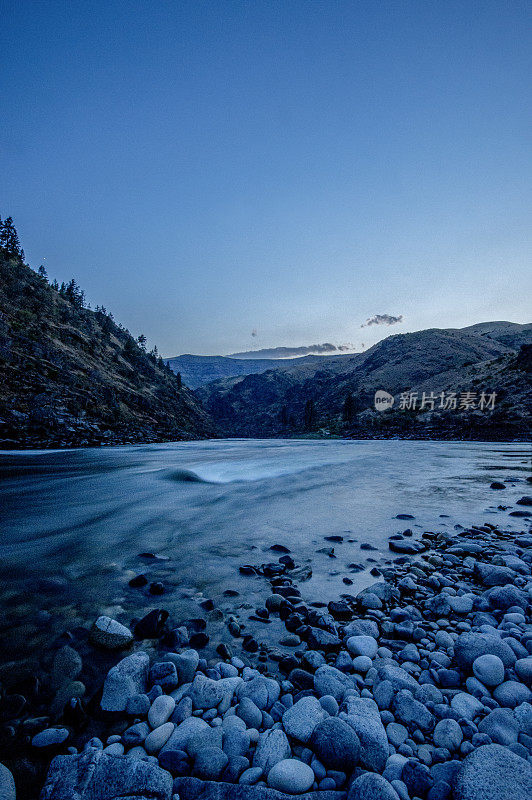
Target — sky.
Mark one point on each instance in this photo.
(228, 176)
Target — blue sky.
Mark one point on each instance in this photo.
(207, 169)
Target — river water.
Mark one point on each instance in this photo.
(74, 522)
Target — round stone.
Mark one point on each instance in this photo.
(290, 776)
(155, 740)
(362, 646)
(161, 710)
(523, 670)
(489, 669)
(448, 734)
(512, 693)
(336, 744)
(372, 786)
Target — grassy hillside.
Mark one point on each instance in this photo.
(338, 396)
(72, 376)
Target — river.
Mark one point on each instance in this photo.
(73, 522)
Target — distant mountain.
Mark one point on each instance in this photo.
(196, 371)
(337, 394)
(71, 376)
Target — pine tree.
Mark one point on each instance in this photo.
(9, 240)
(141, 341)
(348, 411)
(310, 415)
(42, 272)
(179, 381)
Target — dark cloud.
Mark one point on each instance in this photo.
(293, 352)
(382, 319)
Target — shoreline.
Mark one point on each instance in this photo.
(391, 670)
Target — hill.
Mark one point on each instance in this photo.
(72, 376)
(337, 395)
(197, 371)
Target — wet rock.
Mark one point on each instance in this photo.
(523, 669)
(124, 680)
(161, 710)
(158, 737)
(207, 693)
(67, 665)
(152, 625)
(362, 646)
(164, 674)
(51, 737)
(329, 680)
(110, 634)
(493, 772)
(411, 712)
(290, 776)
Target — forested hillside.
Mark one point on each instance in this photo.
(73, 376)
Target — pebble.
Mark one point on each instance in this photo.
(290, 776)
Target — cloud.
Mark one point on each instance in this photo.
(294, 352)
(382, 319)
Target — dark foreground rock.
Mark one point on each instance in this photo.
(195, 789)
(94, 775)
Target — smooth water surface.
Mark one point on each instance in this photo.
(74, 522)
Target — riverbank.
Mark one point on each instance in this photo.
(400, 691)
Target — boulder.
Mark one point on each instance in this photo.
(372, 787)
(300, 720)
(329, 680)
(272, 747)
(469, 646)
(363, 716)
(125, 680)
(94, 775)
(336, 744)
(493, 772)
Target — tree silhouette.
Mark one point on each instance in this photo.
(348, 411)
(310, 415)
(9, 240)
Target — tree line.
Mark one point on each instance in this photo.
(11, 250)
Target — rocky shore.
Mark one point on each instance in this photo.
(419, 687)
